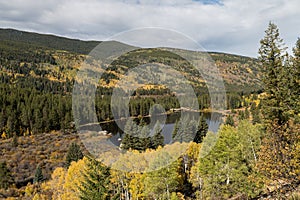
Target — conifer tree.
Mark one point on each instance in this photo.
(74, 154)
(272, 56)
(247, 113)
(38, 175)
(281, 134)
(202, 130)
(255, 112)
(131, 128)
(256, 116)
(175, 129)
(157, 139)
(96, 181)
(229, 120)
(185, 130)
(127, 142)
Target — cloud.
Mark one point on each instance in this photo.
(233, 26)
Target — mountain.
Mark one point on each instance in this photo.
(58, 58)
(46, 41)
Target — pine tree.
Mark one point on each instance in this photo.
(38, 175)
(281, 134)
(229, 120)
(247, 113)
(127, 142)
(185, 130)
(241, 115)
(256, 116)
(190, 131)
(157, 139)
(175, 129)
(272, 56)
(255, 112)
(131, 128)
(74, 154)
(202, 130)
(96, 181)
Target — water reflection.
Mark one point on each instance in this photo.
(212, 119)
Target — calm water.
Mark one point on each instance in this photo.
(214, 120)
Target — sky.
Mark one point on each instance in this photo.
(231, 26)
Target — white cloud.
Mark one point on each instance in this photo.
(235, 26)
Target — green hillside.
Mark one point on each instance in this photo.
(38, 69)
(46, 41)
(60, 57)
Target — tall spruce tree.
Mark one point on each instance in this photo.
(281, 134)
(202, 130)
(272, 56)
(96, 181)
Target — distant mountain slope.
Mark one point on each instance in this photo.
(48, 41)
(58, 58)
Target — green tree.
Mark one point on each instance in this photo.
(186, 130)
(163, 178)
(229, 120)
(140, 139)
(225, 171)
(247, 113)
(255, 112)
(127, 142)
(74, 154)
(175, 129)
(249, 140)
(157, 139)
(131, 128)
(241, 115)
(96, 181)
(202, 130)
(38, 175)
(5, 176)
(272, 56)
(282, 134)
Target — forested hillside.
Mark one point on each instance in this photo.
(254, 155)
(38, 71)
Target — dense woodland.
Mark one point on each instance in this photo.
(36, 85)
(256, 153)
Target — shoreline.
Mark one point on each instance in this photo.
(169, 112)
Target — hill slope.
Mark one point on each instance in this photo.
(47, 41)
(59, 58)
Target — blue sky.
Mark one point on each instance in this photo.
(233, 26)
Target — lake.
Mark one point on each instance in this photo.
(214, 120)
